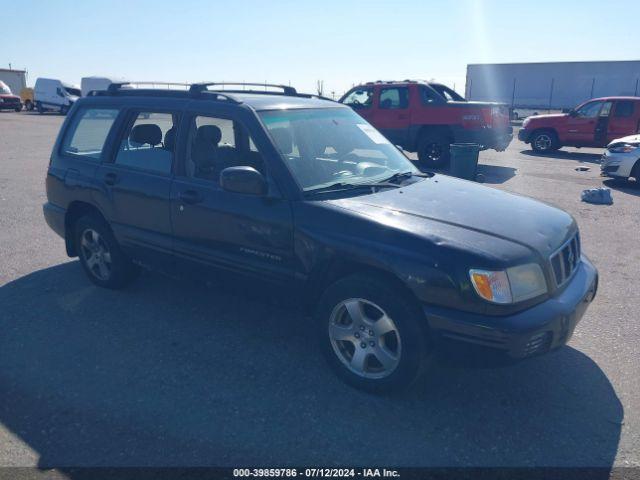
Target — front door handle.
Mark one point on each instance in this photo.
(190, 197)
(111, 178)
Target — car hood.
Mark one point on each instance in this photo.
(527, 222)
(627, 139)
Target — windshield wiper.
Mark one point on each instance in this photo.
(344, 186)
(402, 175)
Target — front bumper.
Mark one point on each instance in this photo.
(617, 165)
(497, 139)
(523, 135)
(534, 331)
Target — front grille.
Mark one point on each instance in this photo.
(566, 259)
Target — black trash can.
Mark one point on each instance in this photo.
(464, 160)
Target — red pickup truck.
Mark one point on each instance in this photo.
(594, 123)
(426, 118)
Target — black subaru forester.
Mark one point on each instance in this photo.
(302, 194)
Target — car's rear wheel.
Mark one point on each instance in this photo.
(371, 334)
(100, 255)
(544, 141)
(18, 109)
(433, 150)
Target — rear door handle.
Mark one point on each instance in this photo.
(111, 178)
(190, 197)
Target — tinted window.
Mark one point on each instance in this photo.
(218, 143)
(449, 94)
(88, 131)
(394, 98)
(360, 98)
(624, 109)
(149, 142)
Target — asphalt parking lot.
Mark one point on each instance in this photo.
(170, 373)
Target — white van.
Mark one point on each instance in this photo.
(88, 84)
(53, 94)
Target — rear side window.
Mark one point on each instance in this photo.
(149, 142)
(87, 133)
(394, 98)
(624, 109)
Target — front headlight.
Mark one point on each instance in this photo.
(512, 285)
(624, 148)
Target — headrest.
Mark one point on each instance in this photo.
(170, 138)
(283, 139)
(208, 134)
(146, 133)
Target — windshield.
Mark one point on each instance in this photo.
(447, 93)
(4, 89)
(325, 146)
(72, 91)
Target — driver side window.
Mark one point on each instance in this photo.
(216, 143)
(589, 110)
(359, 98)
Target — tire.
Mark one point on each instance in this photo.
(100, 255)
(544, 141)
(18, 109)
(353, 341)
(40, 108)
(28, 105)
(433, 150)
(635, 173)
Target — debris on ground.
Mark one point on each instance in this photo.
(599, 196)
(582, 169)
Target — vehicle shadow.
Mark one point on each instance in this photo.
(168, 373)
(625, 186)
(564, 155)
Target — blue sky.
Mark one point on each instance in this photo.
(340, 42)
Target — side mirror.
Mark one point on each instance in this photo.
(246, 180)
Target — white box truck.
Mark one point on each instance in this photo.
(88, 84)
(55, 95)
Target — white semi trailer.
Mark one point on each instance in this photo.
(554, 85)
(16, 80)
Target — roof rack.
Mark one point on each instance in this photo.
(116, 86)
(198, 88)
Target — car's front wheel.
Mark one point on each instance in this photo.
(544, 141)
(100, 255)
(371, 333)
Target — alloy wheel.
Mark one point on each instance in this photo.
(96, 254)
(543, 142)
(365, 338)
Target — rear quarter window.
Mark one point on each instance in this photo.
(86, 135)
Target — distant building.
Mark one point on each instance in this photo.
(16, 80)
(553, 85)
